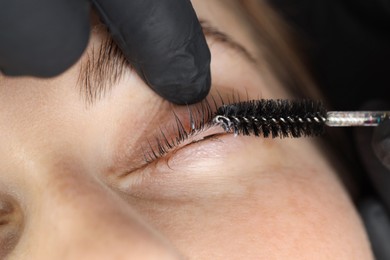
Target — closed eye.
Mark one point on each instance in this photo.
(189, 127)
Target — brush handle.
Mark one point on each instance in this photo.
(356, 118)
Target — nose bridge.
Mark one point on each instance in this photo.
(77, 217)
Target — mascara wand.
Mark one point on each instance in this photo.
(289, 118)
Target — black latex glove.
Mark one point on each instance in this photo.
(370, 139)
(381, 143)
(377, 222)
(373, 145)
(162, 39)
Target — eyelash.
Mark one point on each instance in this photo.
(199, 115)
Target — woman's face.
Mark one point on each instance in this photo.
(80, 177)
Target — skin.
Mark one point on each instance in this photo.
(65, 169)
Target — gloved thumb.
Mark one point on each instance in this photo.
(376, 171)
(381, 143)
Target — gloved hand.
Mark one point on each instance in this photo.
(162, 39)
(373, 145)
(368, 140)
(381, 143)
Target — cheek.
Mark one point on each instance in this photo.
(281, 213)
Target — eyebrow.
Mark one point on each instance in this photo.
(104, 68)
(222, 37)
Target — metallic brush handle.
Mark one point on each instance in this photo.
(356, 118)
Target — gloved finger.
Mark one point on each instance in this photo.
(381, 143)
(42, 37)
(377, 222)
(164, 41)
(377, 172)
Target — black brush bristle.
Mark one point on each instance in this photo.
(275, 118)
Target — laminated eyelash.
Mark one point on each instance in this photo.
(199, 119)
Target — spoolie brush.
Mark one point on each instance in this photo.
(289, 118)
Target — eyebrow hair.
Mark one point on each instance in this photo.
(101, 70)
(222, 37)
(104, 68)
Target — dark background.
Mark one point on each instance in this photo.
(347, 44)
